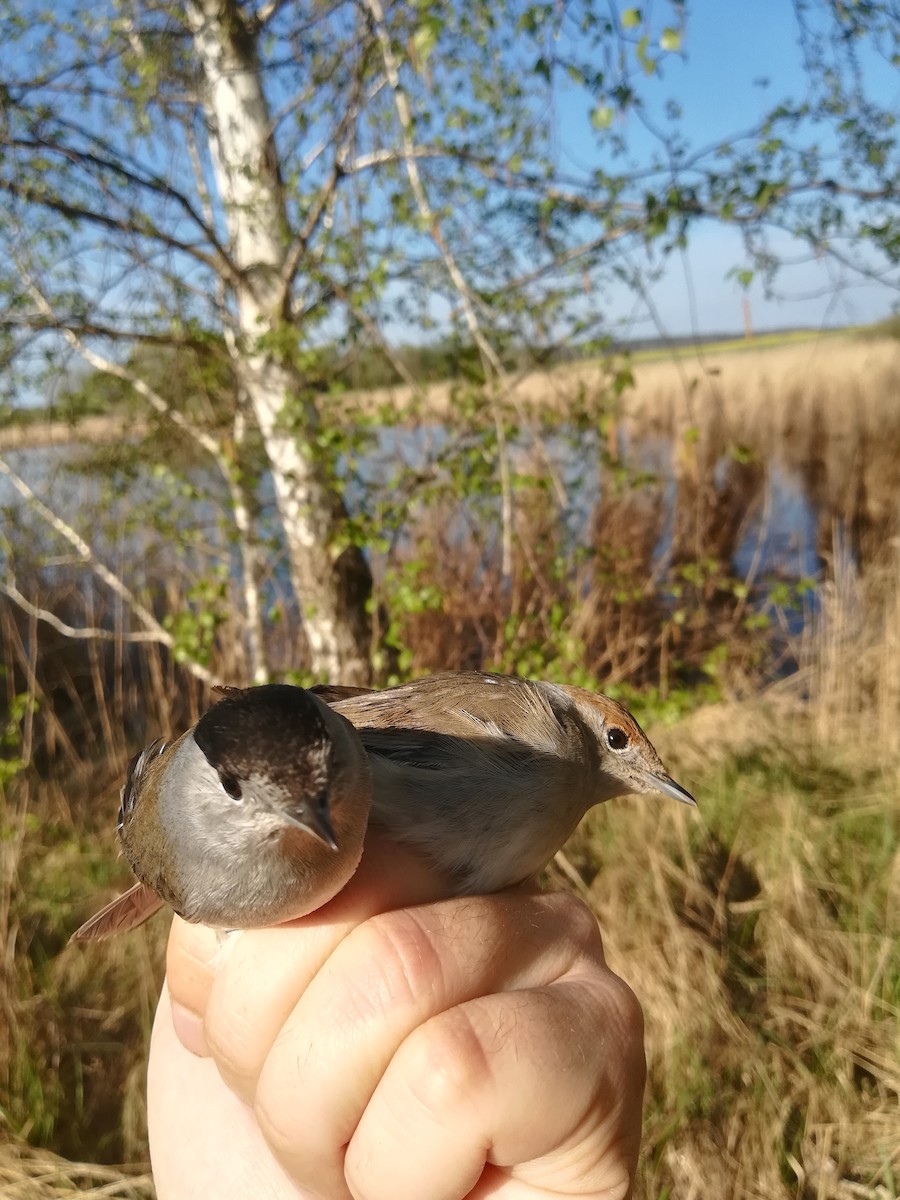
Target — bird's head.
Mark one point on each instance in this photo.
(255, 815)
(272, 753)
(625, 755)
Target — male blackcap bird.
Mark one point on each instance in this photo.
(255, 816)
(485, 776)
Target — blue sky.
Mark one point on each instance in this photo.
(729, 49)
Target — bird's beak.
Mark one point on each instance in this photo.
(316, 823)
(667, 785)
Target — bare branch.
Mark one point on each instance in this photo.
(324, 204)
(41, 323)
(90, 559)
(384, 156)
(101, 363)
(87, 633)
(136, 179)
(493, 367)
(76, 212)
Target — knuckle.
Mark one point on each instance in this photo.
(626, 1005)
(445, 1064)
(394, 964)
(580, 924)
(627, 1016)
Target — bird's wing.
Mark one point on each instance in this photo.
(126, 912)
(462, 703)
(429, 750)
(334, 693)
(465, 704)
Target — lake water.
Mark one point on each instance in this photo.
(134, 518)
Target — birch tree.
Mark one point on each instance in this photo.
(263, 180)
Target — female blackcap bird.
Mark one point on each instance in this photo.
(488, 775)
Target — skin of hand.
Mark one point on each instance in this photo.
(396, 1045)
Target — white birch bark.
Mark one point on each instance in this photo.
(331, 586)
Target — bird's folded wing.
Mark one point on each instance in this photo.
(334, 693)
(477, 756)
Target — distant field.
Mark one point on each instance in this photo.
(771, 384)
(838, 381)
(737, 345)
(776, 369)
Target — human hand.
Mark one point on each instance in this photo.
(470, 1047)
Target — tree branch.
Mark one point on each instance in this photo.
(90, 559)
(154, 184)
(87, 633)
(101, 363)
(493, 368)
(75, 212)
(41, 323)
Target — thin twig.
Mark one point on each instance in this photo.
(88, 632)
(88, 556)
(491, 363)
(101, 363)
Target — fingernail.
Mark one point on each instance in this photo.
(189, 1030)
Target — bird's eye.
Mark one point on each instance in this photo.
(230, 783)
(616, 739)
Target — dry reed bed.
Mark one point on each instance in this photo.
(761, 936)
(842, 379)
(764, 965)
(847, 382)
(841, 385)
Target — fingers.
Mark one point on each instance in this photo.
(422, 1051)
(203, 1140)
(502, 1080)
(391, 975)
(244, 987)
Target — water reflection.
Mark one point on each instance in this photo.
(766, 521)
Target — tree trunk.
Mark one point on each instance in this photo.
(332, 582)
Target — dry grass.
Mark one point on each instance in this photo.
(26, 1173)
(762, 939)
(762, 935)
(838, 385)
(843, 379)
(757, 386)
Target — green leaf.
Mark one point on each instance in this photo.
(602, 116)
(424, 40)
(670, 39)
(631, 18)
(645, 59)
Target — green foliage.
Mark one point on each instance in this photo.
(446, 209)
(194, 629)
(22, 705)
